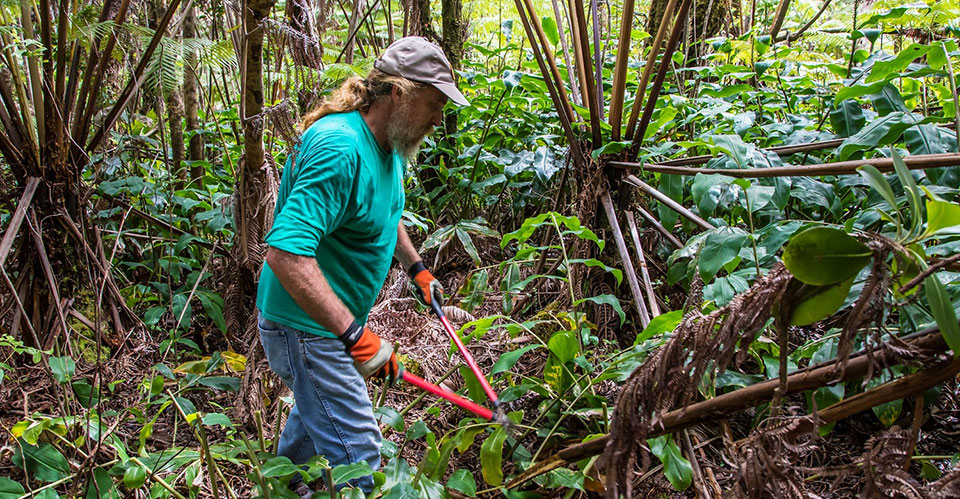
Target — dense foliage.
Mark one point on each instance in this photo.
(512, 224)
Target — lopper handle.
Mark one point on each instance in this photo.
(455, 399)
(463, 351)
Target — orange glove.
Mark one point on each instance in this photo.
(425, 286)
(371, 355)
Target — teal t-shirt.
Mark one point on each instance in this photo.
(340, 202)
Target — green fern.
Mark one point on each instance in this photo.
(215, 55)
(88, 32)
(165, 69)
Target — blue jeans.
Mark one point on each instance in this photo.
(332, 416)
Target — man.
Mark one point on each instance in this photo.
(336, 227)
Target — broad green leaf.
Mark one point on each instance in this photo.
(661, 324)
(857, 90)
(402, 490)
(820, 303)
(666, 115)
(564, 345)
(593, 262)
(62, 368)
(610, 148)
(43, 462)
(879, 132)
(871, 34)
(466, 437)
(706, 190)
(825, 397)
(87, 395)
(491, 457)
(938, 56)
(929, 472)
(847, 118)
(214, 310)
(723, 289)
(910, 189)
(943, 312)
(721, 246)
(468, 245)
(611, 300)
(672, 186)
(226, 383)
(758, 197)
(217, 418)
(153, 315)
(941, 215)
(878, 182)
(181, 310)
(474, 388)
(527, 228)
(924, 139)
(734, 146)
(737, 379)
(887, 100)
(508, 359)
(824, 255)
(675, 467)
(563, 478)
(895, 13)
(463, 481)
(888, 412)
(10, 489)
(475, 290)
(278, 466)
(886, 69)
(550, 29)
(134, 476)
(101, 487)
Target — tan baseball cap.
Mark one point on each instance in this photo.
(416, 59)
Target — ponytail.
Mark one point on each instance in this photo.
(358, 93)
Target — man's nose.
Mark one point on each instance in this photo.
(437, 119)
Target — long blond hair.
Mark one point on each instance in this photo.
(359, 93)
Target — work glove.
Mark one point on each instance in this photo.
(425, 287)
(372, 356)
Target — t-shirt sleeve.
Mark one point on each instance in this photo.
(318, 201)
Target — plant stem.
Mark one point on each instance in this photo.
(953, 89)
(158, 480)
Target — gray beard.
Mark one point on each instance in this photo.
(404, 140)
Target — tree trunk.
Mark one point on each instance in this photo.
(352, 30)
(174, 102)
(418, 20)
(454, 31)
(711, 10)
(175, 121)
(191, 100)
(253, 200)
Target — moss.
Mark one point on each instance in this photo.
(548, 324)
(410, 364)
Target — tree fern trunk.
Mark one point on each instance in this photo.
(454, 31)
(191, 99)
(253, 202)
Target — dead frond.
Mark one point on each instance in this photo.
(766, 462)
(669, 379)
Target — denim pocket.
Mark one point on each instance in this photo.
(274, 341)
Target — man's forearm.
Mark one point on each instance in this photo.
(305, 283)
(405, 253)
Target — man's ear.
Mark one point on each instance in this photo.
(396, 93)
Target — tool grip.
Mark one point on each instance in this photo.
(453, 398)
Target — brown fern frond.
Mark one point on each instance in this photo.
(669, 379)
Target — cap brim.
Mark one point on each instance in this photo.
(451, 91)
